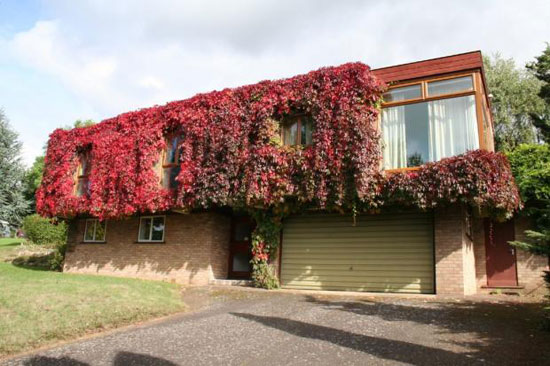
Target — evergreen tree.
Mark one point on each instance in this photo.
(541, 70)
(13, 205)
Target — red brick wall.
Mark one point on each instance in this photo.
(195, 250)
(454, 253)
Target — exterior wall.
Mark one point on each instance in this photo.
(454, 253)
(195, 250)
(529, 267)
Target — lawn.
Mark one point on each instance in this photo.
(7, 247)
(40, 307)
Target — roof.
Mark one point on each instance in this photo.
(434, 66)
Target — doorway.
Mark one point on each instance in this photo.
(500, 256)
(240, 247)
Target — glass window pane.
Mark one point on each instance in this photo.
(99, 231)
(144, 229)
(307, 130)
(82, 187)
(241, 262)
(158, 228)
(450, 86)
(169, 177)
(403, 93)
(172, 151)
(242, 231)
(453, 127)
(89, 232)
(290, 133)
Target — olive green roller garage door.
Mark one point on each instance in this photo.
(387, 253)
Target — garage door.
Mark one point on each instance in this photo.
(382, 253)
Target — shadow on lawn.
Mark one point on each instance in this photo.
(121, 359)
(503, 333)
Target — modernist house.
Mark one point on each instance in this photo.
(432, 110)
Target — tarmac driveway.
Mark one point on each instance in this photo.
(247, 327)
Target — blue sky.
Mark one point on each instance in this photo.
(62, 60)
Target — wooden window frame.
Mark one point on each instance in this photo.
(95, 221)
(82, 177)
(163, 165)
(141, 218)
(290, 121)
(477, 92)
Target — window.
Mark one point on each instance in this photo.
(429, 131)
(151, 229)
(95, 231)
(82, 174)
(449, 86)
(170, 163)
(297, 130)
(403, 93)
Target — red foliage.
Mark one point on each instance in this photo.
(229, 156)
(479, 178)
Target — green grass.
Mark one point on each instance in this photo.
(40, 307)
(8, 247)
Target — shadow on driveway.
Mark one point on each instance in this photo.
(121, 359)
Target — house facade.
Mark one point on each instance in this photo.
(435, 116)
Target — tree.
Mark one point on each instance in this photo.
(13, 205)
(32, 180)
(531, 168)
(541, 70)
(515, 100)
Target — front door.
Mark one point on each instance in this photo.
(240, 252)
(500, 256)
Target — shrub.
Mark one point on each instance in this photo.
(43, 231)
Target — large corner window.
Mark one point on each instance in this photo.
(171, 162)
(415, 133)
(297, 130)
(83, 174)
(94, 231)
(151, 229)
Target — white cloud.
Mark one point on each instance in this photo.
(114, 56)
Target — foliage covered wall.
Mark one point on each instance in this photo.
(232, 156)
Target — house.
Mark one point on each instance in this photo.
(405, 199)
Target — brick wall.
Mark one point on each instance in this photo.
(195, 250)
(454, 253)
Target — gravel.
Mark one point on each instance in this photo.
(254, 327)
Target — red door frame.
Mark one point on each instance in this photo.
(501, 261)
(238, 247)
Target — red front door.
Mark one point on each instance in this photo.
(240, 251)
(500, 256)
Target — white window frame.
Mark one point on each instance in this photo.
(95, 221)
(151, 229)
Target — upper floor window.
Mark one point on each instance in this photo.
(95, 231)
(151, 229)
(297, 130)
(415, 133)
(171, 162)
(403, 93)
(83, 174)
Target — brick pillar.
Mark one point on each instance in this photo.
(454, 254)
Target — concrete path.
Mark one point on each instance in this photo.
(261, 328)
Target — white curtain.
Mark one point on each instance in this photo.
(393, 133)
(453, 127)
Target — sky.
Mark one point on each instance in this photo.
(66, 60)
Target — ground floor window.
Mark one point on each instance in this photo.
(151, 229)
(94, 231)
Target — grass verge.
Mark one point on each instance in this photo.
(40, 307)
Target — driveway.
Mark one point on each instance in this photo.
(251, 327)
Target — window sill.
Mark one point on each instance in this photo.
(93, 242)
(150, 242)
